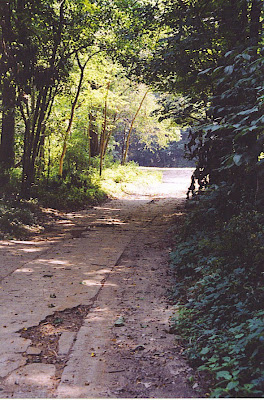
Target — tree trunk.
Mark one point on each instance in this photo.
(103, 134)
(34, 130)
(123, 144)
(109, 134)
(41, 158)
(8, 93)
(73, 108)
(89, 140)
(130, 129)
(27, 179)
(8, 124)
(94, 142)
(255, 21)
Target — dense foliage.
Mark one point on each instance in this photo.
(219, 288)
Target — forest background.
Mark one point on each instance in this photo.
(81, 80)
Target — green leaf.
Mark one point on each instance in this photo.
(237, 158)
(240, 335)
(228, 53)
(205, 350)
(213, 359)
(246, 56)
(232, 385)
(229, 69)
(202, 368)
(223, 374)
(205, 71)
(217, 393)
(249, 111)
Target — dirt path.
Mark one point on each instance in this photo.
(84, 310)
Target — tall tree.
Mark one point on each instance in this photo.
(47, 34)
(127, 139)
(73, 108)
(8, 91)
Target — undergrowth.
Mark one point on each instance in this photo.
(17, 218)
(73, 192)
(20, 218)
(219, 288)
(120, 179)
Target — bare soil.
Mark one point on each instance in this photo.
(87, 303)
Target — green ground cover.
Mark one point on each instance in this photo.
(218, 265)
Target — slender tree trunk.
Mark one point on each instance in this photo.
(103, 134)
(8, 93)
(253, 177)
(94, 142)
(243, 21)
(255, 21)
(73, 108)
(109, 134)
(34, 129)
(123, 144)
(89, 139)
(41, 157)
(49, 160)
(131, 127)
(8, 124)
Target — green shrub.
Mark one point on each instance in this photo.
(219, 286)
(15, 217)
(73, 192)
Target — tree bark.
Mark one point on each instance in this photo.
(7, 154)
(89, 140)
(103, 134)
(94, 142)
(34, 129)
(255, 21)
(130, 129)
(109, 134)
(73, 108)
(8, 93)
